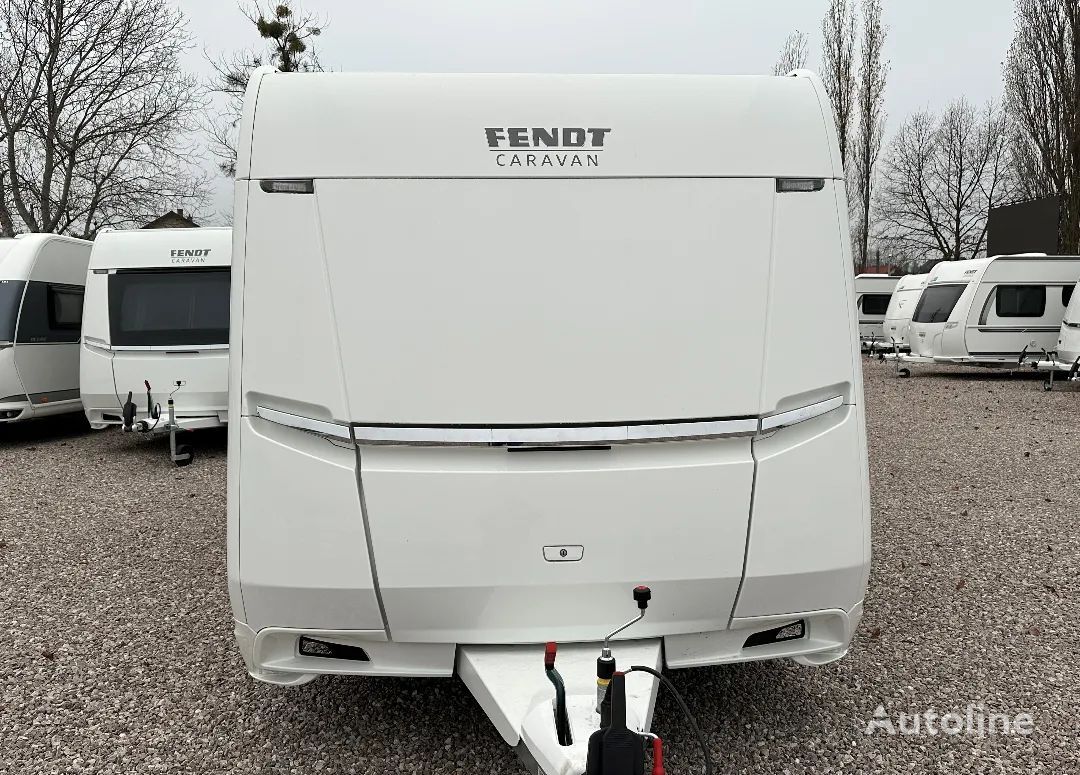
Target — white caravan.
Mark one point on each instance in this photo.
(156, 330)
(505, 345)
(999, 311)
(41, 298)
(905, 298)
(872, 295)
(1065, 357)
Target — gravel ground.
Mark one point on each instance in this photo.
(117, 654)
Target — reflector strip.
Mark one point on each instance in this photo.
(802, 414)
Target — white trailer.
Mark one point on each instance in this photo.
(505, 345)
(1001, 311)
(41, 298)
(1065, 357)
(156, 331)
(905, 298)
(873, 293)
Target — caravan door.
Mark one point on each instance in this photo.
(50, 325)
(46, 349)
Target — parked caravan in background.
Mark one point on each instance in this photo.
(999, 311)
(483, 381)
(902, 305)
(1065, 357)
(156, 325)
(873, 293)
(41, 299)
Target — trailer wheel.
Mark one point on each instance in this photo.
(184, 455)
(1048, 385)
(904, 373)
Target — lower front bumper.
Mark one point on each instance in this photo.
(13, 411)
(272, 654)
(16, 411)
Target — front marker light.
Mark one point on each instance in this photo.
(791, 185)
(287, 186)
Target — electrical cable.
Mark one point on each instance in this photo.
(690, 720)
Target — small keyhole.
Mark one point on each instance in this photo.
(562, 552)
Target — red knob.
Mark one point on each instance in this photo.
(642, 596)
(549, 656)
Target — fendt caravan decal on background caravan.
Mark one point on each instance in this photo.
(547, 146)
(197, 256)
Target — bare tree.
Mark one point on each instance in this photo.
(794, 54)
(287, 33)
(1042, 86)
(939, 178)
(838, 67)
(94, 114)
(873, 71)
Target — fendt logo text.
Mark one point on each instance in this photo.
(552, 147)
(190, 256)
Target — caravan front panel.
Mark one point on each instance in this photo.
(1068, 344)
(41, 300)
(873, 293)
(901, 308)
(472, 403)
(157, 312)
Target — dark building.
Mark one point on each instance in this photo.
(1032, 226)
(174, 219)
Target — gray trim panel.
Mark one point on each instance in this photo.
(55, 395)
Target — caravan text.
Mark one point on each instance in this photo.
(551, 147)
(190, 256)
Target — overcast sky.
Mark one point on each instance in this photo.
(938, 49)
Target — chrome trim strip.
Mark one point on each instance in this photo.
(381, 434)
(692, 430)
(321, 427)
(554, 435)
(802, 414)
(167, 348)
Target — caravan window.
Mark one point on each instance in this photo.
(65, 307)
(162, 307)
(1021, 301)
(11, 292)
(875, 303)
(1066, 295)
(937, 303)
(45, 319)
